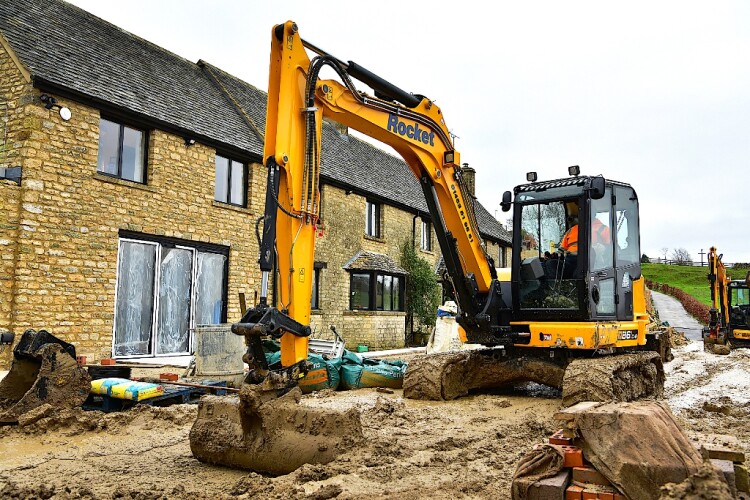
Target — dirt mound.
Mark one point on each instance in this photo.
(71, 422)
(706, 484)
(677, 338)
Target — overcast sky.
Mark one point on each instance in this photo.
(655, 94)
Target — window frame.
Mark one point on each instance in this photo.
(373, 304)
(373, 213)
(120, 141)
(161, 243)
(230, 161)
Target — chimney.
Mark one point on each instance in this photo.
(470, 179)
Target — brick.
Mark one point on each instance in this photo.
(573, 492)
(588, 474)
(573, 456)
(559, 438)
(107, 361)
(726, 467)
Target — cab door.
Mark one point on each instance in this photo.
(602, 279)
(627, 249)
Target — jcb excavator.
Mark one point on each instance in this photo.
(584, 311)
(729, 316)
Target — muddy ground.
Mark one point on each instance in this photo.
(466, 448)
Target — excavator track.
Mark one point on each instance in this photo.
(620, 377)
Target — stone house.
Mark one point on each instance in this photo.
(129, 220)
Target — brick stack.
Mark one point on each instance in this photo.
(578, 480)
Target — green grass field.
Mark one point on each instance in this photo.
(691, 280)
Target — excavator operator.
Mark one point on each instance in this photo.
(569, 244)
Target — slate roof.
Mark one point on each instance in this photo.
(371, 261)
(65, 47)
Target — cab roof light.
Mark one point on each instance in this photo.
(574, 171)
(531, 176)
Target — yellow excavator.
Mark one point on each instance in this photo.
(577, 321)
(729, 316)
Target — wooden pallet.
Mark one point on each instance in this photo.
(173, 394)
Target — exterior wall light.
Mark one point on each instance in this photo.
(189, 141)
(50, 102)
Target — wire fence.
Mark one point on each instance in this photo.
(695, 263)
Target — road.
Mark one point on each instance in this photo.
(671, 311)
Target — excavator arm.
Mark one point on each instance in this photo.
(412, 125)
(717, 278)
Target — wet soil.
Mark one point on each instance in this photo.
(464, 448)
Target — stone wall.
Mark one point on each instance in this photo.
(13, 85)
(344, 235)
(70, 217)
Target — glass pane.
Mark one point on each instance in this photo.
(173, 332)
(360, 291)
(379, 293)
(627, 249)
(221, 192)
(601, 240)
(135, 299)
(369, 219)
(606, 303)
(238, 183)
(314, 298)
(426, 234)
(109, 140)
(132, 155)
(388, 293)
(396, 293)
(547, 279)
(209, 288)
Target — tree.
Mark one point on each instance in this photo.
(681, 257)
(664, 252)
(422, 290)
(645, 259)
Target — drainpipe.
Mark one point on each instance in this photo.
(414, 231)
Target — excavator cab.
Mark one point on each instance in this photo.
(577, 247)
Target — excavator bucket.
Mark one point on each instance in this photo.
(44, 376)
(276, 435)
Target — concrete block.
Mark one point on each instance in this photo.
(726, 467)
(552, 488)
(741, 479)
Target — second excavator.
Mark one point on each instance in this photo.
(729, 316)
(578, 321)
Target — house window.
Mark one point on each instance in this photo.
(372, 222)
(122, 151)
(315, 297)
(376, 291)
(230, 181)
(426, 236)
(164, 290)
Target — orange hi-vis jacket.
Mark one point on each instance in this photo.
(570, 241)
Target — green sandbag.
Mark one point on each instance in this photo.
(321, 374)
(373, 373)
